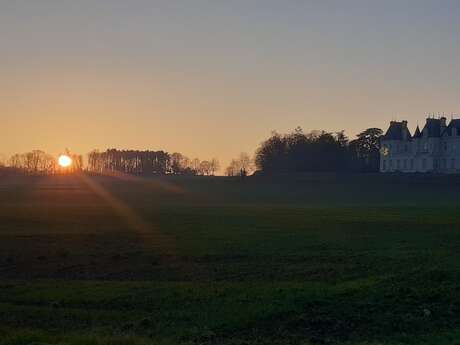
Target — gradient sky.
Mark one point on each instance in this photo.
(213, 78)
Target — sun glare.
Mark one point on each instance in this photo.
(64, 161)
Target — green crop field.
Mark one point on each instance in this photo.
(307, 259)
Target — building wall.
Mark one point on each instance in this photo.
(424, 154)
(400, 156)
(449, 158)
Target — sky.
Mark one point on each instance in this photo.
(215, 78)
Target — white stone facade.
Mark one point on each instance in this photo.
(434, 149)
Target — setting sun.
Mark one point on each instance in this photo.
(64, 161)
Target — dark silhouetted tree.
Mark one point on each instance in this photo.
(241, 166)
(148, 163)
(365, 150)
(35, 162)
(318, 151)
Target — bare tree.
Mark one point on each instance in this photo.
(147, 163)
(246, 163)
(233, 169)
(241, 166)
(16, 161)
(195, 165)
(214, 166)
(35, 162)
(180, 164)
(205, 168)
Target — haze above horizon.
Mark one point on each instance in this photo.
(214, 78)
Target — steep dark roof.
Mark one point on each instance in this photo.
(433, 127)
(417, 133)
(396, 130)
(453, 124)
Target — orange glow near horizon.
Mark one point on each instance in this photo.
(64, 161)
(214, 79)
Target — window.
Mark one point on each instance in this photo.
(435, 163)
(384, 166)
(445, 146)
(405, 164)
(452, 163)
(424, 163)
(411, 164)
(398, 164)
(406, 148)
(391, 164)
(444, 163)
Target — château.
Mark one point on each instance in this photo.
(435, 148)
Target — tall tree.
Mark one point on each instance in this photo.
(241, 166)
(214, 166)
(148, 163)
(35, 162)
(318, 151)
(365, 149)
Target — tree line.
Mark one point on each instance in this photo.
(149, 163)
(319, 151)
(37, 162)
(315, 151)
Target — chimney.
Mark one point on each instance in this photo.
(443, 123)
(404, 129)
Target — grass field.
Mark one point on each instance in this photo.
(308, 259)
